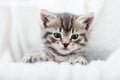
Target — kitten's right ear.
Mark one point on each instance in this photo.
(86, 20)
(46, 17)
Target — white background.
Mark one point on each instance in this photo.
(19, 33)
(20, 30)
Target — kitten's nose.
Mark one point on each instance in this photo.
(65, 44)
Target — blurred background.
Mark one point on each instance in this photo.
(20, 27)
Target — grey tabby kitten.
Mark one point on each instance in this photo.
(65, 37)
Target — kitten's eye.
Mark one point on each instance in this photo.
(74, 36)
(57, 35)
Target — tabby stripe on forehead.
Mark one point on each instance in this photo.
(66, 23)
(46, 34)
(60, 29)
(61, 22)
(71, 23)
(85, 38)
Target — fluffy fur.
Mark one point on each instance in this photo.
(65, 37)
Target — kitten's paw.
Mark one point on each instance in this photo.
(34, 58)
(80, 60)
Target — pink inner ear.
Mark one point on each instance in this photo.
(44, 19)
(44, 15)
(88, 22)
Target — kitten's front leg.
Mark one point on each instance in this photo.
(36, 57)
(79, 59)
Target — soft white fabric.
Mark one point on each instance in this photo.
(97, 70)
(19, 33)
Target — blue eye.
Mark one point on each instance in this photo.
(74, 36)
(57, 35)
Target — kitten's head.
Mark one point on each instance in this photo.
(65, 33)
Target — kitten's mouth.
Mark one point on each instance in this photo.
(65, 49)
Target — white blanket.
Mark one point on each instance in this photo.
(97, 70)
(19, 33)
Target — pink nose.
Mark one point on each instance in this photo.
(65, 45)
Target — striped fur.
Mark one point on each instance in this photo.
(66, 25)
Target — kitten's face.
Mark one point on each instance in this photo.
(65, 33)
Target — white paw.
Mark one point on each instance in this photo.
(32, 58)
(80, 60)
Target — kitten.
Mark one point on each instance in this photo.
(65, 37)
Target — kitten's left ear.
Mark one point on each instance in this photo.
(86, 20)
(47, 18)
